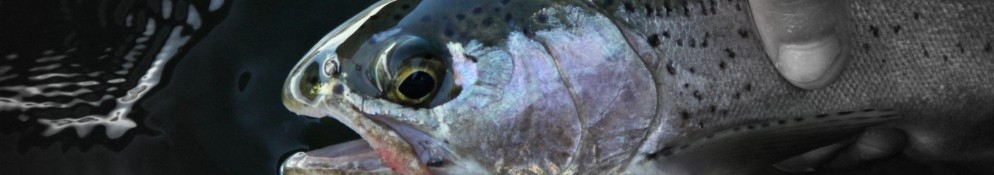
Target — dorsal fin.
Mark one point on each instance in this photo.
(748, 148)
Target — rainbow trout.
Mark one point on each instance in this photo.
(631, 87)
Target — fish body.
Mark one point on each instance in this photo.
(632, 87)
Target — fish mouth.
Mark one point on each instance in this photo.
(385, 147)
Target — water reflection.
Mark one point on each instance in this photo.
(156, 87)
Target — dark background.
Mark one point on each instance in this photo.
(218, 109)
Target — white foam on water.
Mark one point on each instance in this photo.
(193, 17)
(215, 4)
(116, 121)
(167, 8)
(45, 67)
(50, 58)
(51, 75)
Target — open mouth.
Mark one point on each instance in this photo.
(353, 156)
(388, 147)
(334, 147)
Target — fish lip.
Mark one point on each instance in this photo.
(395, 152)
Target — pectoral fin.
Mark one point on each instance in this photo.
(748, 148)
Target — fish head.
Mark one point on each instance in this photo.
(428, 98)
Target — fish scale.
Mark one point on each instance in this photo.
(904, 57)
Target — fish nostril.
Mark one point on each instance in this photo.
(308, 83)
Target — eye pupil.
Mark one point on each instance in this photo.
(417, 85)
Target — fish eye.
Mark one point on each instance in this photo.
(413, 71)
(415, 85)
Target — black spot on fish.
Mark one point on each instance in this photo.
(684, 115)
(338, 89)
(693, 43)
(724, 112)
(686, 11)
(897, 29)
(988, 48)
(712, 109)
(608, 2)
(488, 22)
(737, 95)
(799, 119)
(916, 15)
(875, 31)
(668, 7)
(679, 42)
(960, 46)
(821, 116)
(697, 95)
(686, 85)
(648, 9)
(628, 7)
(845, 112)
(477, 10)
(743, 33)
(497, 9)
(243, 81)
(722, 65)
(751, 127)
(782, 122)
(925, 50)
(670, 69)
(666, 34)
(866, 46)
(738, 6)
(730, 53)
(448, 33)
(692, 70)
(747, 87)
(653, 40)
(542, 18)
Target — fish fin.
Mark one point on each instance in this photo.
(748, 148)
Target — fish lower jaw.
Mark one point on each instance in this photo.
(352, 157)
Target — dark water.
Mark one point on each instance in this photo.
(156, 87)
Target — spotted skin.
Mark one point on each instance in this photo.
(607, 86)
